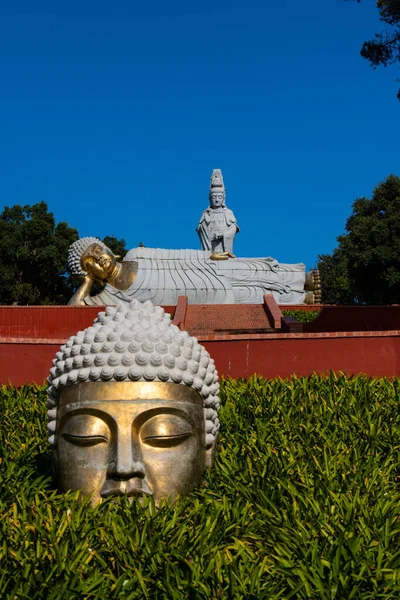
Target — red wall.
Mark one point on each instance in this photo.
(356, 318)
(23, 362)
(376, 356)
(30, 337)
(45, 321)
(279, 356)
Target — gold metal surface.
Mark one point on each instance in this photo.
(138, 439)
(309, 298)
(101, 265)
(99, 262)
(221, 255)
(313, 287)
(133, 391)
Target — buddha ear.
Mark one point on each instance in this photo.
(210, 453)
(117, 256)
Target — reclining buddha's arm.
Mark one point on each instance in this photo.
(82, 291)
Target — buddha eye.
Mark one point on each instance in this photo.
(166, 431)
(84, 440)
(85, 430)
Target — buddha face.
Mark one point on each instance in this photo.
(217, 199)
(98, 262)
(133, 438)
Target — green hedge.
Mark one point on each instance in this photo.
(303, 502)
(303, 316)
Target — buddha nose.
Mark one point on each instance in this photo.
(127, 461)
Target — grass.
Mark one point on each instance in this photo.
(303, 502)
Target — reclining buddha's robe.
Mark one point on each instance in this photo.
(163, 275)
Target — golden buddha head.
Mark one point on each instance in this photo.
(98, 261)
(90, 255)
(133, 407)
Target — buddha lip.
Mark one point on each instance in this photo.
(122, 488)
(121, 492)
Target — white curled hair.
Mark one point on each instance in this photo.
(75, 252)
(135, 342)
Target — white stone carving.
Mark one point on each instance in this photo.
(163, 275)
(217, 226)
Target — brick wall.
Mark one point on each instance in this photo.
(30, 337)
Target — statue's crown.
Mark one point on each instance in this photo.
(217, 181)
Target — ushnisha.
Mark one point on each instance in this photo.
(133, 406)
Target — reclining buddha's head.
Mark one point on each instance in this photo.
(98, 261)
(90, 255)
(133, 405)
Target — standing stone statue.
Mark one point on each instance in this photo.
(217, 226)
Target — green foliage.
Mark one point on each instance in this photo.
(116, 245)
(384, 48)
(303, 502)
(365, 267)
(33, 251)
(336, 285)
(302, 316)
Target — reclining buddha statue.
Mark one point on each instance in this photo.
(209, 276)
(163, 275)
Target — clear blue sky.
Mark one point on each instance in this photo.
(115, 114)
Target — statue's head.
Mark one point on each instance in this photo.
(90, 255)
(133, 407)
(98, 261)
(217, 199)
(217, 194)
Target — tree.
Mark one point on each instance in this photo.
(384, 49)
(365, 267)
(33, 250)
(117, 246)
(336, 286)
